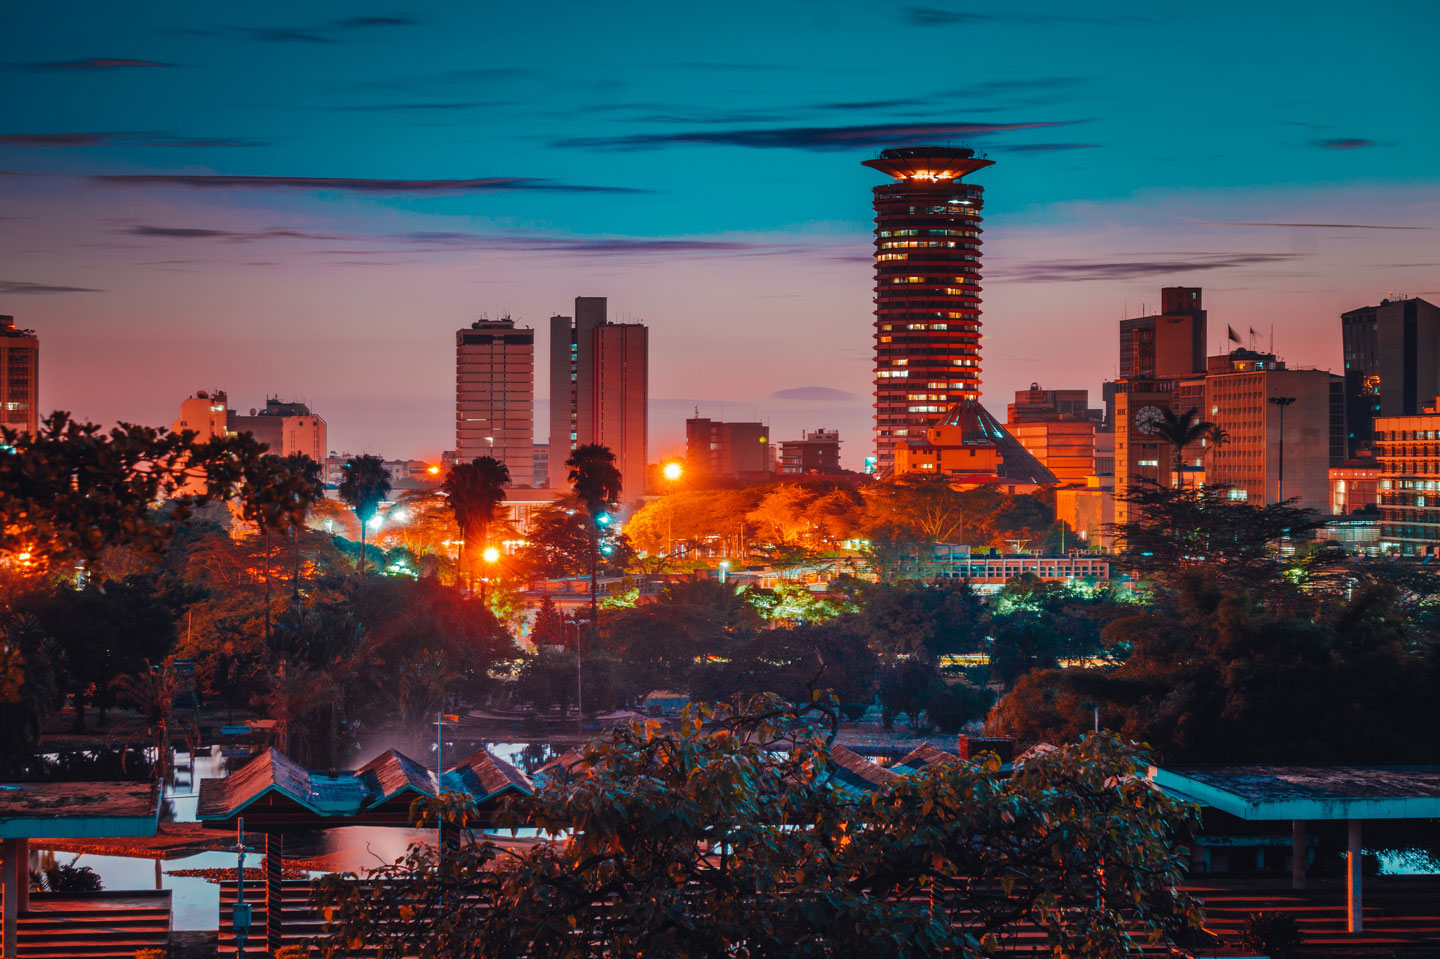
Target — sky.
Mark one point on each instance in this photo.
(308, 199)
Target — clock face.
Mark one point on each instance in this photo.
(1147, 418)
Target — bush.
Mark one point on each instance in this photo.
(1276, 934)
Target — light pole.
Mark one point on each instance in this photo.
(672, 472)
(491, 555)
(1282, 402)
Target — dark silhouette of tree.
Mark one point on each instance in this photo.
(276, 497)
(307, 479)
(549, 627)
(596, 484)
(1181, 430)
(364, 488)
(151, 691)
(476, 490)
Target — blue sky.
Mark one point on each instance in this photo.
(308, 199)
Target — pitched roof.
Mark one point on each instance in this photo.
(980, 428)
(69, 810)
(854, 773)
(562, 765)
(324, 794)
(482, 775)
(923, 755)
(391, 773)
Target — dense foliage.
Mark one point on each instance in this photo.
(729, 837)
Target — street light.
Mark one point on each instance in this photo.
(724, 568)
(1282, 402)
(672, 472)
(491, 556)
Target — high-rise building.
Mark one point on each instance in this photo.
(1392, 364)
(715, 450)
(1065, 447)
(495, 396)
(1169, 344)
(1239, 389)
(927, 321)
(1408, 447)
(600, 391)
(1037, 405)
(927, 290)
(19, 376)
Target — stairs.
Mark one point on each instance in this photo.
(93, 925)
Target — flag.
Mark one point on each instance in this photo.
(1234, 337)
(1253, 334)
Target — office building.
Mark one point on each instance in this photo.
(1355, 486)
(1064, 447)
(816, 451)
(1257, 457)
(927, 317)
(284, 427)
(19, 377)
(1408, 449)
(540, 463)
(1392, 364)
(495, 396)
(599, 391)
(1037, 405)
(1168, 345)
(1140, 456)
(715, 450)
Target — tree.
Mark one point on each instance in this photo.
(476, 490)
(152, 692)
(365, 486)
(307, 484)
(69, 491)
(596, 484)
(276, 498)
(549, 629)
(726, 837)
(1181, 430)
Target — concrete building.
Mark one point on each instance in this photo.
(405, 475)
(540, 459)
(969, 447)
(1408, 449)
(716, 450)
(1170, 344)
(1089, 511)
(1064, 447)
(1141, 456)
(1238, 392)
(816, 451)
(205, 413)
(1354, 485)
(19, 377)
(495, 396)
(1392, 364)
(285, 427)
(1037, 405)
(599, 391)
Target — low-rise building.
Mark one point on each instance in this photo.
(1408, 448)
(817, 451)
(989, 571)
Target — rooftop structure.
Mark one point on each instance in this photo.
(968, 445)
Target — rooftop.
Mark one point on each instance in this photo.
(68, 810)
(1316, 792)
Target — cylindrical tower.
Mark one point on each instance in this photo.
(927, 290)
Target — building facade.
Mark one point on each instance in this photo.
(1239, 389)
(1170, 344)
(495, 396)
(1408, 450)
(285, 427)
(600, 391)
(927, 290)
(1355, 485)
(816, 451)
(1064, 447)
(1037, 405)
(728, 451)
(19, 377)
(1392, 364)
(1141, 457)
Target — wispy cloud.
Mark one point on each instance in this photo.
(357, 184)
(820, 394)
(1326, 226)
(1343, 143)
(285, 35)
(424, 107)
(1042, 147)
(97, 63)
(23, 288)
(1077, 270)
(237, 236)
(808, 138)
(362, 22)
(942, 17)
(122, 138)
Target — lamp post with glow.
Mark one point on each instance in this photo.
(672, 472)
(491, 556)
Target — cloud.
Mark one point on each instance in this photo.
(1043, 147)
(20, 287)
(356, 184)
(1076, 270)
(404, 107)
(284, 35)
(1343, 143)
(819, 394)
(939, 17)
(122, 138)
(809, 138)
(326, 32)
(98, 63)
(238, 236)
(377, 22)
(1326, 226)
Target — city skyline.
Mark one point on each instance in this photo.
(195, 203)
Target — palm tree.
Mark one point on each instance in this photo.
(476, 490)
(365, 485)
(1215, 437)
(308, 485)
(152, 693)
(596, 483)
(1181, 430)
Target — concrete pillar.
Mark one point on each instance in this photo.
(23, 864)
(274, 889)
(1298, 854)
(12, 876)
(1353, 905)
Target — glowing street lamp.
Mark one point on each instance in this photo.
(491, 556)
(672, 472)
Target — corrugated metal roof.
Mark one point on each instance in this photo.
(391, 773)
(854, 773)
(483, 776)
(924, 755)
